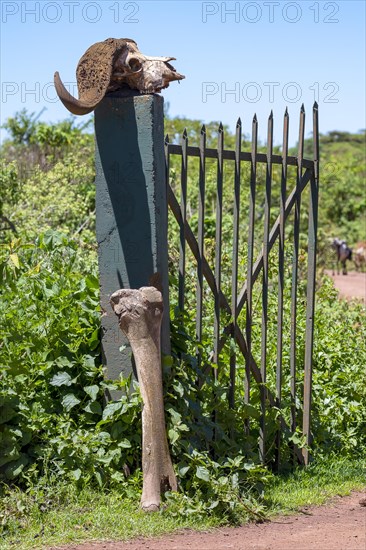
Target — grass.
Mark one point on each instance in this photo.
(51, 516)
(314, 485)
(39, 520)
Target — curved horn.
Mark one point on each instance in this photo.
(93, 76)
(75, 106)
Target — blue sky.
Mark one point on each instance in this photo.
(239, 58)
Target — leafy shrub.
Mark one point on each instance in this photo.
(339, 371)
(62, 199)
(54, 421)
(53, 418)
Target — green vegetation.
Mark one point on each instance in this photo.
(67, 454)
(315, 484)
(45, 516)
(342, 196)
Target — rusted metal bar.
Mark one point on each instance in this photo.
(295, 267)
(201, 233)
(183, 208)
(310, 304)
(234, 275)
(218, 239)
(267, 220)
(176, 149)
(281, 280)
(248, 318)
(210, 278)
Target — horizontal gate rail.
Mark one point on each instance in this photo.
(175, 149)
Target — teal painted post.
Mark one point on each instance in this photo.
(131, 211)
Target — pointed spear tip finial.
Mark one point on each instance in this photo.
(315, 106)
(185, 132)
(221, 128)
(238, 122)
(270, 115)
(255, 120)
(302, 110)
(286, 112)
(203, 129)
(166, 137)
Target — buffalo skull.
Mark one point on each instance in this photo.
(113, 65)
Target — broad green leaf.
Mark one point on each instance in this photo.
(93, 407)
(76, 474)
(203, 473)
(183, 428)
(183, 470)
(118, 476)
(118, 429)
(111, 409)
(88, 361)
(213, 504)
(9, 452)
(92, 391)
(63, 361)
(70, 401)
(178, 387)
(25, 435)
(6, 413)
(104, 437)
(14, 469)
(92, 282)
(176, 417)
(93, 341)
(61, 379)
(173, 435)
(125, 444)
(98, 477)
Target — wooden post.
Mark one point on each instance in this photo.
(131, 211)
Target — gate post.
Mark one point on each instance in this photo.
(131, 211)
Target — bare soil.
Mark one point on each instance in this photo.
(339, 525)
(350, 286)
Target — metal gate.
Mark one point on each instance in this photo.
(234, 301)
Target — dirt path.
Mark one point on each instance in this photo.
(352, 285)
(340, 525)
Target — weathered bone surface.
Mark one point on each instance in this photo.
(140, 313)
(112, 65)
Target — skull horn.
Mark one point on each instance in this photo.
(93, 75)
(112, 65)
(75, 106)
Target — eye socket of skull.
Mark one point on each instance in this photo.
(135, 64)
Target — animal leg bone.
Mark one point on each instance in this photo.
(140, 314)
